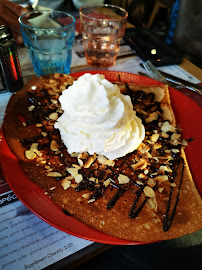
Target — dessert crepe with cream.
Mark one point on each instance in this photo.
(121, 171)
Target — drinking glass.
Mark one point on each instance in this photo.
(49, 36)
(102, 27)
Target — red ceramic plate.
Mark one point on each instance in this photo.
(189, 117)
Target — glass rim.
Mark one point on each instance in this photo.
(103, 5)
(46, 11)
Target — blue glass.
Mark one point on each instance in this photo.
(49, 36)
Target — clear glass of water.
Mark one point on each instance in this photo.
(102, 27)
(49, 36)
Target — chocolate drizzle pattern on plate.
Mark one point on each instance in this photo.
(156, 167)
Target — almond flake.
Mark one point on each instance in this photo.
(140, 165)
(65, 183)
(53, 116)
(44, 133)
(160, 189)
(39, 125)
(175, 151)
(152, 116)
(34, 147)
(73, 171)
(84, 155)
(184, 142)
(102, 159)
(87, 195)
(123, 179)
(80, 161)
(164, 168)
(164, 135)
(78, 178)
(31, 108)
(167, 127)
(154, 137)
(76, 166)
(29, 154)
(149, 192)
(74, 154)
(173, 185)
(161, 178)
(54, 174)
(175, 136)
(89, 161)
(54, 145)
(74, 185)
(110, 163)
(106, 182)
(157, 145)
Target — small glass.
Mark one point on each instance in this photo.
(102, 27)
(49, 36)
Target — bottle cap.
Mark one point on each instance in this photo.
(5, 33)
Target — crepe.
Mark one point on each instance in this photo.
(148, 195)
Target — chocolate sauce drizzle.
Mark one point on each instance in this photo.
(170, 211)
(147, 103)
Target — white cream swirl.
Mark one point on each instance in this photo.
(97, 118)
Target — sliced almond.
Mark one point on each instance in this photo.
(102, 159)
(53, 116)
(157, 146)
(29, 154)
(152, 116)
(173, 185)
(164, 168)
(80, 161)
(175, 136)
(175, 151)
(154, 137)
(54, 145)
(152, 203)
(44, 134)
(110, 162)
(31, 108)
(74, 154)
(87, 195)
(84, 155)
(74, 185)
(140, 165)
(65, 183)
(167, 127)
(106, 182)
(89, 161)
(123, 179)
(78, 178)
(160, 189)
(149, 192)
(151, 182)
(73, 171)
(34, 147)
(161, 178)
(184, 142)
(54, 174)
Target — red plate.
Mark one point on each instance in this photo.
(189, 117)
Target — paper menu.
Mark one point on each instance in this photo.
(26, 241)
(29, 243)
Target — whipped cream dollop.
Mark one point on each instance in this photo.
(97, 118)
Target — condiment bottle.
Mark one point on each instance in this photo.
(10, 70)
